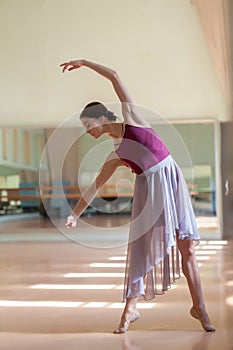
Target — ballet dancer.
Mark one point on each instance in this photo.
(162, 218)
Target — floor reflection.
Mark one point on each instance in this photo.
(127, 344)
(203, 342)
(168, 340)
(57, 295)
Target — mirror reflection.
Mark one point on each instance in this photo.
(199, 139)
(20, 159)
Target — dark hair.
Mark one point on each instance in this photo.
(97, 110)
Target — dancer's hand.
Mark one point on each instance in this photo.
(71, 65)
(71, 221)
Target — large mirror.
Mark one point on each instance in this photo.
(194, 145)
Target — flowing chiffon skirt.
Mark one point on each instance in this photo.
(162, 209)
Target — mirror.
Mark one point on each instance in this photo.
(192, 144)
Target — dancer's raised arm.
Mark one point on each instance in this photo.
(129, 111)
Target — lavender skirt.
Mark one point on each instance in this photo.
(162, 209)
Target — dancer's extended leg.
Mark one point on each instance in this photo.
(191, 272)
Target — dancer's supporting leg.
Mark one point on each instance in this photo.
(129, 315)
(191, 272)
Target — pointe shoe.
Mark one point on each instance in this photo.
(203, 318)
(125, 322)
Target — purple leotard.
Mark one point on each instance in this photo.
(141, 148)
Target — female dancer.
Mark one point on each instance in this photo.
(162, 214)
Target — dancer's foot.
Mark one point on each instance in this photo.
(202, 316)
(126, 319)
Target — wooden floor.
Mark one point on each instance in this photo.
(60, 292)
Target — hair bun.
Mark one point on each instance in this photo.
(97, 110)
(111, 116)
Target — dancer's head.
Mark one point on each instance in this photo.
(94, 116)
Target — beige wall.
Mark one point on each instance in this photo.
(157, 46)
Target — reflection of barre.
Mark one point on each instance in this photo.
(14, 194)
(67, 195)
(78, 195)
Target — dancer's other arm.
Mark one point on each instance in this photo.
(109, 167)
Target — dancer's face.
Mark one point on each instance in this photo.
(94, 126)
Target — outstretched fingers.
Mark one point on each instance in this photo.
(71, 221)
(71, 65)
(65, 66)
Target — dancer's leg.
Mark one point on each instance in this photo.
(129, 315)
(130, 306)
(191, 272)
